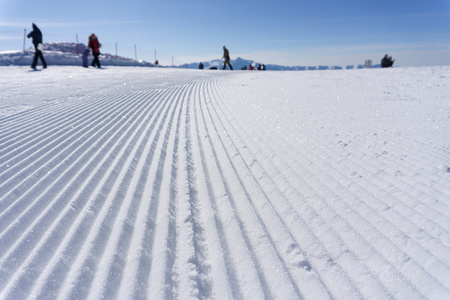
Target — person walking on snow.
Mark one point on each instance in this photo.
(226, 55)
(95, 46)
(36, 35)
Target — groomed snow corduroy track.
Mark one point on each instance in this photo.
(170, 184)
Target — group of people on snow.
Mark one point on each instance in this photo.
(93, 44)
(226, 56)
(261, 67)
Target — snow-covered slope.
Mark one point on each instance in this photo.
(147, 183)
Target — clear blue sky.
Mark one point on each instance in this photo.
(295, 32)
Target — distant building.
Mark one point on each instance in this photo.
(368, 64)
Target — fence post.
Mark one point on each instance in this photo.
(24, 37)
(78, 46)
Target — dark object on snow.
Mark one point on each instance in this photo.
(200, 66)
(95, 46)
(85, 57)
(213, 68)
(226, 55)
(36, 35)
(387, 61)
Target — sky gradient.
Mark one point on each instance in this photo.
(297, 32)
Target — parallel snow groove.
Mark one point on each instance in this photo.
(64, 164)
(440, 271)
(43, 122)
(72, 241)
(414, 250)
(164, 188)
(242, 180)
(271, 194)
(65, 167)
(241, 197)
(150, 213)
(55, 150)
(191, 229)
(111, 274)
(98, 153)
(168, 234)
(414, 167)
(341, 277)
(80, 196)
(12, 125)
(149, 138)
(228, 283)
(235, 195)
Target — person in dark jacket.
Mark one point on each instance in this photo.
(85, 57)
(36, 35)
(226, 55)
(95, 46)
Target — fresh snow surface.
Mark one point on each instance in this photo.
(146, 183)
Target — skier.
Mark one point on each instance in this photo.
(36, 34)
(95, 46)
(226, 55)
(200, 66)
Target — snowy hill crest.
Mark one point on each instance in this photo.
(66, 54)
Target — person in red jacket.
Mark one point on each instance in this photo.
(95, 46)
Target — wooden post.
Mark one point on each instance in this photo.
(78, 46)
(24, 38)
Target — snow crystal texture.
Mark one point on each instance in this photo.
(145, 183)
